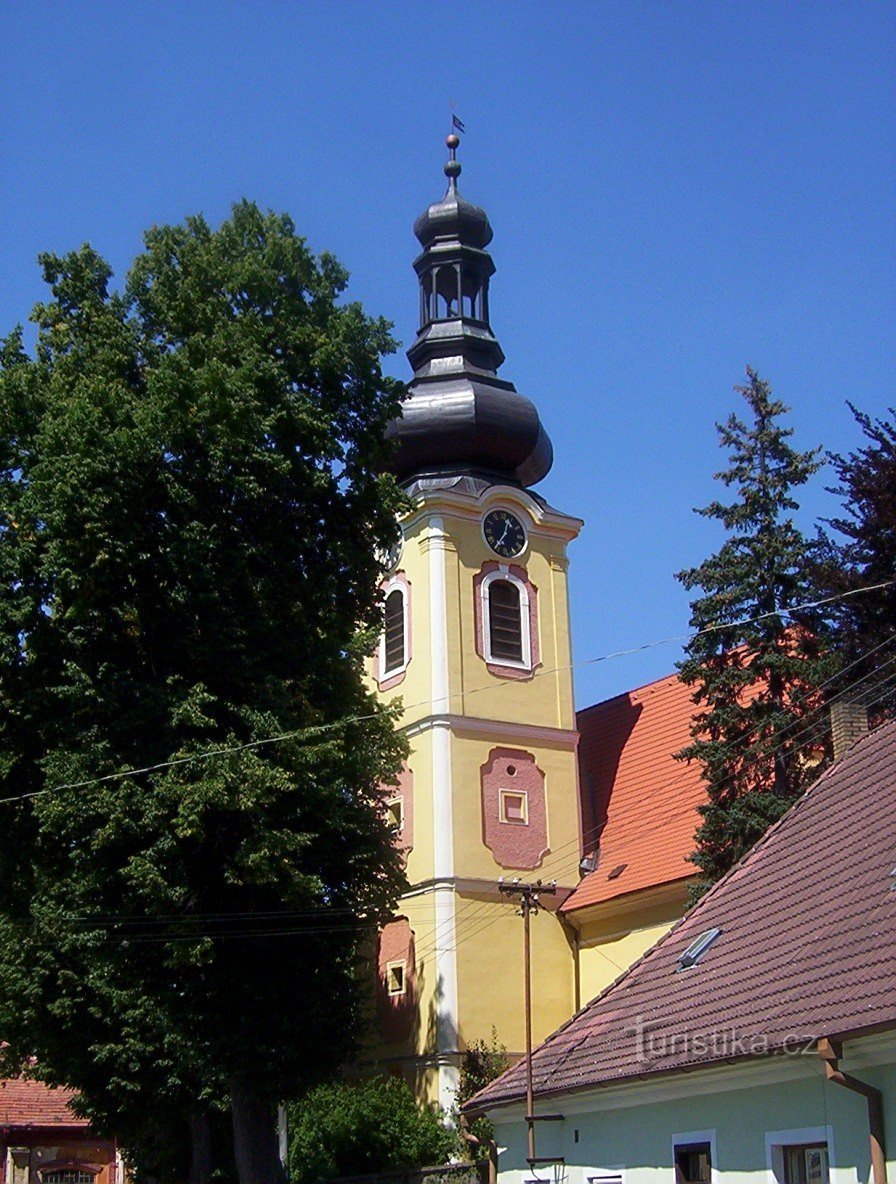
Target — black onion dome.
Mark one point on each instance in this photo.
(460, 418)
(453, 218)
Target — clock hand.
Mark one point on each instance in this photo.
(504, 533)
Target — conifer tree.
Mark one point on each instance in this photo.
(862, 554)
(753, 664)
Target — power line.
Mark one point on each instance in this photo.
(319, 729)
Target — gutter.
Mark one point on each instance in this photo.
(830, 1052)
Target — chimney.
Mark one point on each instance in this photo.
(849, 723)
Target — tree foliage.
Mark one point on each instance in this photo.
(753, 662)
(192, 498)
(354, 1128)
(862, 554)
(481, 1062)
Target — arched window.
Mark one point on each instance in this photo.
(505, 621)
(394, 633)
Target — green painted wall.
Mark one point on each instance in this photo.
(639, 1138)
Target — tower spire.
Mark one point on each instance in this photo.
(460, 417)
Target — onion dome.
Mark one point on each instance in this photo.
(459, 417)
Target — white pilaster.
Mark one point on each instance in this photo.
(443, 830)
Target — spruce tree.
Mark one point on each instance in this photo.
(752, 663)
(862, 554)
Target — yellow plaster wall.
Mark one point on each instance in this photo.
(608, 945)
(490, 973)
(546, 699)
(472, 857)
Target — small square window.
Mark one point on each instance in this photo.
(806, 1164)
(395, 814)
(514, 806)
(396, 979)
(693, 1163)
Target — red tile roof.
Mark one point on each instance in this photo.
(630, 779)
(25, 1103)
(808, 930)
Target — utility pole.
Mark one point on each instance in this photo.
(528, 895)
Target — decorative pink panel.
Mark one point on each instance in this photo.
(397, 1011)
(392, 680)
(404, 790)
(514, 810)
(522, 575)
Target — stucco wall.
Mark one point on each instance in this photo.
(638, 1139)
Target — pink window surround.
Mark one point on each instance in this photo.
(514, 843)
(404, 791)
(396, 1012)
(502, 670)
(386, 682)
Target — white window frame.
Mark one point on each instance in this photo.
(390, 804)
(503, 573)
(776, 1141)
(603, 1175)
(503, 794)
(393, 965)
(709, 1137)
(395, 585)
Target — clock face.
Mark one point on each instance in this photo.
(504, 533)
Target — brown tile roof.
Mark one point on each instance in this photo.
(808, 934)
(629, 777)
(25, 1103)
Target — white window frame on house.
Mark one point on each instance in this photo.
(51, 1175)
(395, 586)
(503, 573)
(777, 1143)
(503, 795)
(397, 964)
(684, 1138)
(603, 1175)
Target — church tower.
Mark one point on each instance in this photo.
(477, 645)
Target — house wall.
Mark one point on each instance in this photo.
(611, 939)
(25, 1155)
(637, 1139)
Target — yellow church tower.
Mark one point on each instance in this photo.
(477, 645)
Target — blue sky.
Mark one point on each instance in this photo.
(676, 189)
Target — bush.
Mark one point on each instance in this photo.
(350, 1129)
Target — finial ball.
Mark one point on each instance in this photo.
(452, 168)
(452, 140)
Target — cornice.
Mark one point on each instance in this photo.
(547, 521)
(496, 729)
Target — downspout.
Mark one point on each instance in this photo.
(489, 1146)
(830, 1052)
(572, 935)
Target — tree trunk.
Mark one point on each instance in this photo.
(200, 1149)
(255, 1142)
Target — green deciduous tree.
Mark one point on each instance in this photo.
(753, 664)
(192, 499)
(347, 1129)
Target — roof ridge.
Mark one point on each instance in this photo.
(670, 678)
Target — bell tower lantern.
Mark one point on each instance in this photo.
(460, 416)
